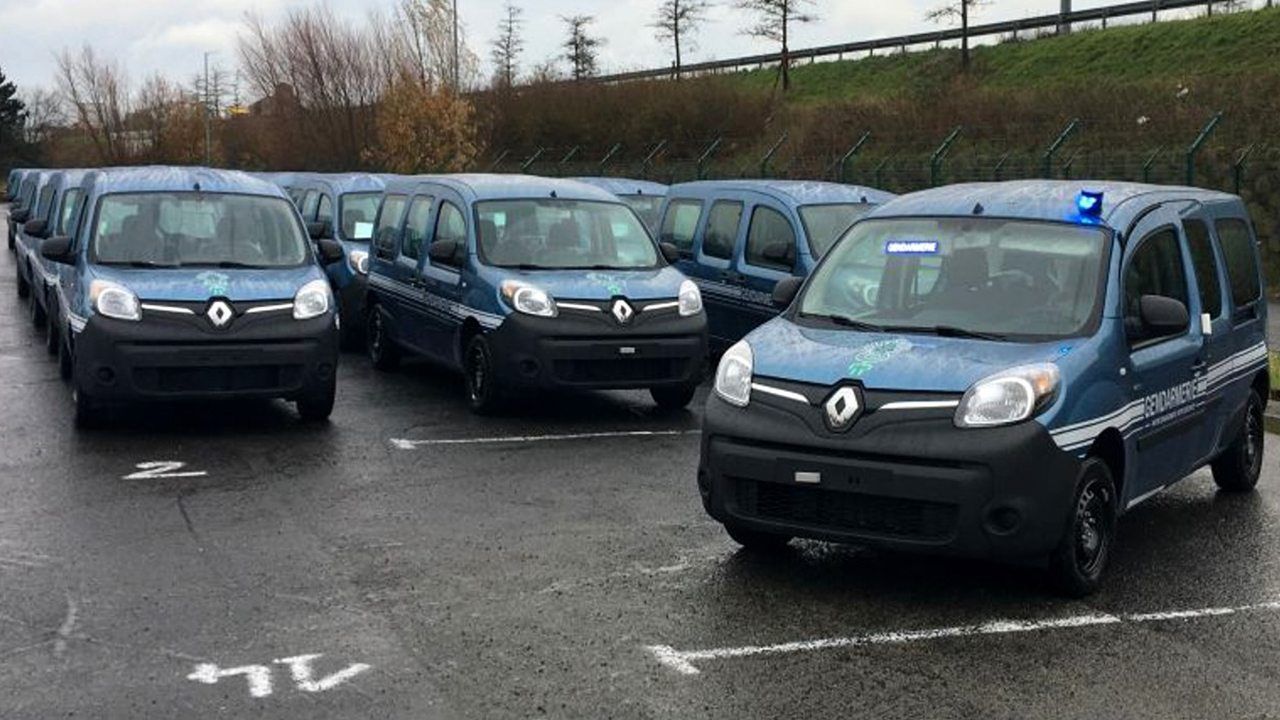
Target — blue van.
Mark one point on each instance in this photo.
(20, 199)
(1041, 357)
(191, 283)
(57, 205)
(36, 198)
(526, 283)
(643, 196)
(342, 208)
(738, 238)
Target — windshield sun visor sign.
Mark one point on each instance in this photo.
(911, 247)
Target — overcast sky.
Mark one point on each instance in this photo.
(171, 35)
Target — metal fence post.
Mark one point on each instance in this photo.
(706, 155)
(1199, 142)
(1056, 145)
(997, 172)
(1066, 166)
(764, 161)
(524, 167)
(609, 156)
(648, 159)
(879, 172)
(1237, 168)
(501, 156)
(853, 153)
(567, 157)
(935, 160)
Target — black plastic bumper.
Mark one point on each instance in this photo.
(596, 352)
(906, 480)
(351, 300)
(163, 358)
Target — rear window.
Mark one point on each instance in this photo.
(1242, 261)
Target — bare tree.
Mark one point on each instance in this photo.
(581, 48)
(675, 20)
(774, 19)
(46, 112)
(98, 96)
(508, 46)
(950, 14)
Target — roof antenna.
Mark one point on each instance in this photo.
(196, 187)
(978, 209)
(553, 194)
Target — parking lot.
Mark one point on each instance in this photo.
(412, 560)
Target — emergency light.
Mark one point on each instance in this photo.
(1089, 204)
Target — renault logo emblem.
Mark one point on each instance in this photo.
(219, 313)
(622, 311)
(842, 408)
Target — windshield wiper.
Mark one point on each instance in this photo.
(234, 264)
(949, 331)
(146, 264)
(844, 321)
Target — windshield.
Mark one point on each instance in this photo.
(563, 234)
(646, 206)
(1000, 278)
(358, 211)
(189, 229)
(824, 224)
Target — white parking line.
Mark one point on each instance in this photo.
(682, 661)
(404, 444)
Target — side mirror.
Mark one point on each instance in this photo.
(444, 252)
(36, 228)
(1163, 315)
(58, 249)
(779, 253)
(19, 216)
(784, 293)
(319, 230)
(670, 252)
(330, 251)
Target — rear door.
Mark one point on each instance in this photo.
(392, 282)
(768, 255)
(1247, 312)
(442, 281)
(1168, 369)
(1209, 315)
(717, 243)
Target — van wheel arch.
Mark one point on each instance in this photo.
(1262, 385)
(470, 328)
(1109, 448)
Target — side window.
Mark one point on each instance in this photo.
(309, 202)
(451, 225)
(70, 210)
(771, 241)
(46, 203)
(680, 223)
(1242, 262)
(417, 226)
(386, 233)
(1155, 269)
(722, 229)
(324, 212)
(1205, 265)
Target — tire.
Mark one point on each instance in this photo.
(316, 404)
(671, 398)
(756, 541)
(382, 350)
(484, 392)
(88, 413)
(64, 360)
(35, 312)
(1238, 468)
(24, 290)
(52, 335)
(1081, 558)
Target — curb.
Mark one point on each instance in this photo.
(1271, 417)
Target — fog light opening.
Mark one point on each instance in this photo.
(529, 367)
(1003, 520)
(106, 375)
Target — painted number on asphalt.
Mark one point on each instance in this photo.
(259, 677)
(158, 469)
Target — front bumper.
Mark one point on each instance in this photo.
(901, 479)
(166, 357)
(592, 350)
(351, 300)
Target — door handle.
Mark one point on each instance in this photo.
(1199, 366)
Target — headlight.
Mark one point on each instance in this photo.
(528, 299)
(358, 261)
(733, 376)
(114, 301)
(312, 300)
(1009, 397)
(690, 299)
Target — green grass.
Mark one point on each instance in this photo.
(1166, 52)
(1273, 358)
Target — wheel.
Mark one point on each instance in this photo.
(52, 334)
(35, 312)
(673, 397)
(383, 352)
(1240, 465)
(64, 360)
(316, 404)
(484, 393)
(350, 337)
(756, 541)
(1082, 555)
(88, 414)
(24, 290)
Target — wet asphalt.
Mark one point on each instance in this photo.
(530, 578)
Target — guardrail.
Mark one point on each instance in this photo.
(1057, 20)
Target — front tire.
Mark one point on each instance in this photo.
(382, 350)
(35, 312)
(1082, 555)
(65, 360)
(316, 404)
(24, 290)
(757, 541)
(484, 393)
(88, 413)
(674, 397)
(52, 335)
(1240, 465)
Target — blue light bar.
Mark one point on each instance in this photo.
(1089, 204)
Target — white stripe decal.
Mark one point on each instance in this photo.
(403, 444)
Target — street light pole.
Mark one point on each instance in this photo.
(456, 56)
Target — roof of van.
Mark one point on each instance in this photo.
(792, 192)
(1052, 200)
(342, 183)
(625, 186)
(161, 179)
(479, 187)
